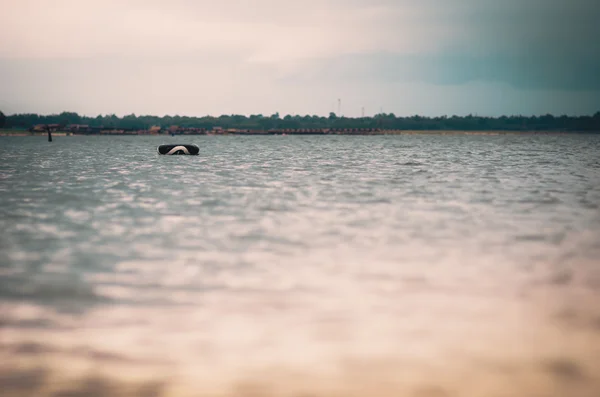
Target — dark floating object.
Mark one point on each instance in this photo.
(178, 149)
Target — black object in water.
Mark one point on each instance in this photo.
(178, 149)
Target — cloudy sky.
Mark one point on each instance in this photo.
(197, 57)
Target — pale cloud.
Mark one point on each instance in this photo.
(279, 30)
(264, 30)
(261, 56)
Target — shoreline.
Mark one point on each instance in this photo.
(299, 133)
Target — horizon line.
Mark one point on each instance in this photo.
(597, 113)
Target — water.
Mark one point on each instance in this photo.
(421, 265)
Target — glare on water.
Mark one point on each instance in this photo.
(301, 266)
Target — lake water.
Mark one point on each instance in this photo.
(416, 265)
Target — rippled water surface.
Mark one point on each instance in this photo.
(418, 265)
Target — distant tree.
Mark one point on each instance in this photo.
(69, 118)
(545, 122)
(130, 122)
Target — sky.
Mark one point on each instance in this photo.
(197, 57)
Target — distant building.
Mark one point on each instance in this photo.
(78, 128)
(45, 127)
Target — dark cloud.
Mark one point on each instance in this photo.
(534, 72)
(529, 44)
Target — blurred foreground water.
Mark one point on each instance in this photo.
(427, 266)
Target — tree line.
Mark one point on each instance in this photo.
(259, 122)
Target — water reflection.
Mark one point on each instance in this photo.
(425, 266)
